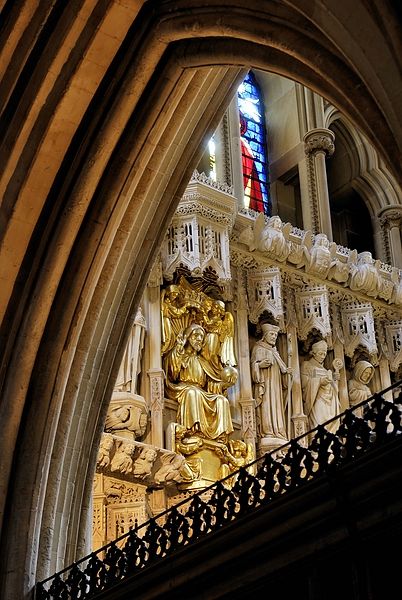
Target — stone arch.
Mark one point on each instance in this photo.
(369, 176)
(107, 104)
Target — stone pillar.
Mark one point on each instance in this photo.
(157, 404)
(319, 145)
(342, 383)
(155, 371)
(99, 513)
(385, 378)
(390, 221)
(235, 147)
(298, 418)
(247, 402)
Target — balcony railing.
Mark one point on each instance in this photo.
(362, 429)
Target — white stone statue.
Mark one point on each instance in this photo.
(271, 239)
(131, 364)
(267, 368)
(365, 276)
(358, 384)
(319, 257)
(320, 387)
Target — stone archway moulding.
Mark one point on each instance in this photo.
(97, 149)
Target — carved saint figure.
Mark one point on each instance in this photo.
(272, 238)
(320, 388)
(199, 387)
(266, 369)
(364, 275)
(358, 384)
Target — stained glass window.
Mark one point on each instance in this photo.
(254, 158)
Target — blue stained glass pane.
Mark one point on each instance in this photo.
(254, 158)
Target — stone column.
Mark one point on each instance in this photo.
(319, 145)
(99, 513)
(385, 378)
(390, 221)
(298, 418)
(155, 371)
(247, 402)
(342, 383)
(235, 147)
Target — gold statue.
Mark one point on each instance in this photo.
(198, 386)
(219, 325)
(199, 364)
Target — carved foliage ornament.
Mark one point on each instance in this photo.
(319, 140)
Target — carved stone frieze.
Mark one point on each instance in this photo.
(358, 328)
(313, 312)
(265, 293)
(134, 461)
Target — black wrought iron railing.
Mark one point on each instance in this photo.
(361, 429)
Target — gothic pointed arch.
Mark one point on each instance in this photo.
(104, 108)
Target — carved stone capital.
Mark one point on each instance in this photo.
(319, 140)
(391, 216)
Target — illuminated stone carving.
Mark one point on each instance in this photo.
(271, 239)
(320, 387)
(358, 328)
(267, 368)
(313, 312)
(358, 384)
(199, 368)
(198, 237)
(265, 293)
